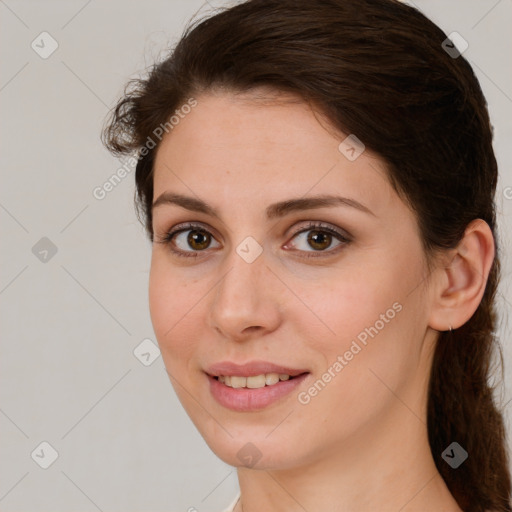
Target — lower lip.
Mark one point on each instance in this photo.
(246, 399)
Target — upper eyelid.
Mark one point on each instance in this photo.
(193, 224)
(190, 226)
(311, 224)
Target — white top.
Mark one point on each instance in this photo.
(234, 502)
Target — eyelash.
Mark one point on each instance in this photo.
(318, 226)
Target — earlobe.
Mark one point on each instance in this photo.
(461, 281)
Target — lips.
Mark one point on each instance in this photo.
(252, 400)
(247, 399)
(252, 369)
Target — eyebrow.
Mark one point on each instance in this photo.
(273, 211)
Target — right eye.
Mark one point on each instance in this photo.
(193, 236)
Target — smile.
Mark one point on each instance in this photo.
(244, 398)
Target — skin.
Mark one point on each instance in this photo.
(360, 443)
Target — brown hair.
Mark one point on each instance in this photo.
(377, 69)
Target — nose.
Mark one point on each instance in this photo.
(247, 300)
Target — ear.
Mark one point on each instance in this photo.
(459, 282)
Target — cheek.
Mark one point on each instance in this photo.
(359, 365)
(367, 320)
(172, 307)
(348, 303)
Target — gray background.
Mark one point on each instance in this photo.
(71, 322)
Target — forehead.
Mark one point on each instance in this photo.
(251, 146)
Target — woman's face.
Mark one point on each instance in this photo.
(343, 302)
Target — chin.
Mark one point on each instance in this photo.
(257, 451)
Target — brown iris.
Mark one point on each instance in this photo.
(198, 240)
(319, 239)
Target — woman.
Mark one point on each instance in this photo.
(317, 178)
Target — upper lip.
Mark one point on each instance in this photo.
(251, 368)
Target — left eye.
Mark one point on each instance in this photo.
(319, 238)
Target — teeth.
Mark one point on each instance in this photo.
(238, 382)
(271, 378)
(253, 382)
(256, 381)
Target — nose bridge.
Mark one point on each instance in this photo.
(243, 297)
(242, 279)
